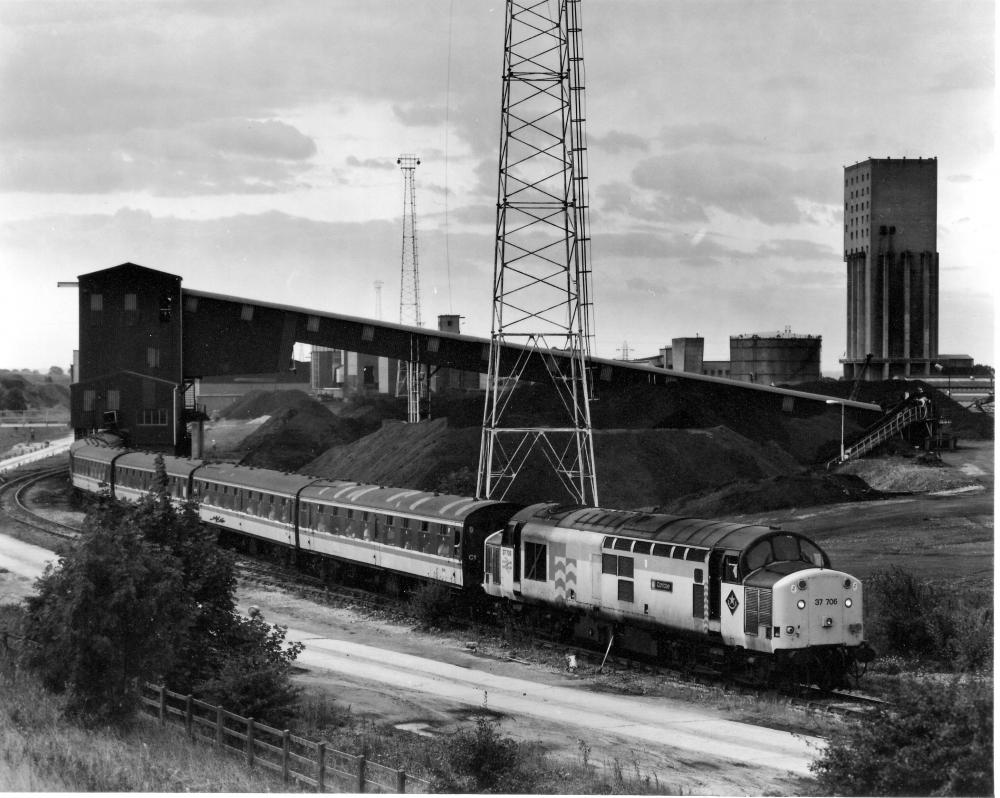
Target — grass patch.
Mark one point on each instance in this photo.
(41, 751)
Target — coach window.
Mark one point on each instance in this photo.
(661, 550)
(407, 540)
(679, 552)
(626, 567)
(696, 555)
(642, 547)
(622, 544)
(457, 546)
(626, 590)
(390, 530)
(366, 525)
(609, 564)
(534, 561)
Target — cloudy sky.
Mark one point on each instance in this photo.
(250, 147)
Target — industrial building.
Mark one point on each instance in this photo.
(148, 347)
(890, 247)
(772, 358)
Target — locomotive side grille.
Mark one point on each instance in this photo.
(757, 609)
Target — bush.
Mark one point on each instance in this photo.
(111, 614)
(432, 604)
(459, 483)
(145, 595)
(936, 739)
(482, 760)
(911, 618)
(252, 677)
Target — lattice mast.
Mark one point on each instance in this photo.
(541, 272)
(408, 373)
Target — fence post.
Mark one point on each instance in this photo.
(249, 742)
(321, 767)
(361, 773)
(188, 712)
(284, 756)
(400, 781)
(163, 705)
(218, 726)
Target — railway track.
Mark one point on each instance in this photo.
(267, 572)
(13, 494)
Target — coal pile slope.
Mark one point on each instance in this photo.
(635, 467)
(774, 493)
(298, 428)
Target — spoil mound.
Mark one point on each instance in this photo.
(907, 474)
(297, 430)
(264, 403)
(774, 493)
(635, 466)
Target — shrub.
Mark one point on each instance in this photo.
(911, 618)
(432, 604)
(936, 739)
(146, 595)
(252, 674)
(109, 615)
(481, 760)
(460, 483)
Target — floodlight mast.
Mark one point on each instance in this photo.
(541, 273)
(408, 372)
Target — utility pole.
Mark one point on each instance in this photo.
(408, 373)
(541, 270)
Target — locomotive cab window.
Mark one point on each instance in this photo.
(534, 561)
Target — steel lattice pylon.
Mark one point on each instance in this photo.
(408, 372)
(541, 272)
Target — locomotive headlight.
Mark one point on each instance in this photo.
(847, 584)
(848, 602)
(790, 630)
(801, 604)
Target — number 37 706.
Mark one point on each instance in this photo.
(818, 602)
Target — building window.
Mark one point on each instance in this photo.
(191, 304)
(131, 302)
(97, 302)
(152, 357)
(114, 399)
(312, 324)
(88, 401)
(153, 418)
(246, 313)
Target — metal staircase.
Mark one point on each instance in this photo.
(882, 431)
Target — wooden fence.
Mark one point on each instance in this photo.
(295, 758)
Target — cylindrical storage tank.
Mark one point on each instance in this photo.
(780, 358)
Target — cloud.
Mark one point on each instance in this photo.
(220, 156)
(622, 199)
(371, 163)
(420, 114)
(766, 191)
(706, 135)
(616, 141)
